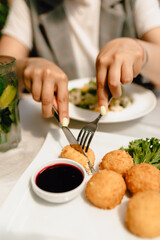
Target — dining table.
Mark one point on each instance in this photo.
(34, 129)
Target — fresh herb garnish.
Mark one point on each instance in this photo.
(145, 150)
(8, 102)
(5, 120)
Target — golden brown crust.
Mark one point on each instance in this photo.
(143, 177)
(143, 214)
(105, 189)
(70, 152)
(118, 160)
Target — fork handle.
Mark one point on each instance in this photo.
(98, 118)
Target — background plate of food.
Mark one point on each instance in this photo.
(135, 102)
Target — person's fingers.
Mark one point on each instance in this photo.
(27, 78)
(114, 75)
(47, 94)
(63, 100)
(55, 101)
(126, 73)
(37, 84)
(101, 77)
(101, 83)
(137, 67)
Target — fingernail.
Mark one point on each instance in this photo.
(65, 122)
(103, 110)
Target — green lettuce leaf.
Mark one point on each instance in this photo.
(145, 150)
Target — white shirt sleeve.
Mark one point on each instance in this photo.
(147, 15)
(18, 24)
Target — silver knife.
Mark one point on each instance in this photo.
(72, 140)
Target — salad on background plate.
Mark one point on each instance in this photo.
(135, 102)
(85, 97)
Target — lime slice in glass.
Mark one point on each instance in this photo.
(7, 96)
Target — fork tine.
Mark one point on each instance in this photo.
(89, 141)
(85, 139)
(79, 135)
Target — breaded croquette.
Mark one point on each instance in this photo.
(105, 189)
(143, 214)
(72, 153)
(143, 177)
(118, 160)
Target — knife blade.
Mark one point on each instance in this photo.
(72, 140)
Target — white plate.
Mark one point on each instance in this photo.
(26, 216)
(144, 101)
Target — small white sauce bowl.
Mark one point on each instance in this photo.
(62, 196)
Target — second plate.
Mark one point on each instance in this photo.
(144, 101)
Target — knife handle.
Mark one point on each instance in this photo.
(56, 114)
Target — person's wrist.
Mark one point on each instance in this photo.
(144, 52)
(146, 57)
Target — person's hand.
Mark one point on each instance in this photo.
(119, 61)
(48, 84)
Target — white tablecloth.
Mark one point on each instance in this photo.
(34, 129)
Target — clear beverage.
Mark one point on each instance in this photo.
(10, 131)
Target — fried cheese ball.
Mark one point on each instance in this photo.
(71, 152)
(143, 177)
(118, 160)
(105, 189)
(143, 214)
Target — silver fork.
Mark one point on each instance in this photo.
(87, 132)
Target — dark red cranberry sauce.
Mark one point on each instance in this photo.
(58, 178)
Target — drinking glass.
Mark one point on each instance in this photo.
(10, 131)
